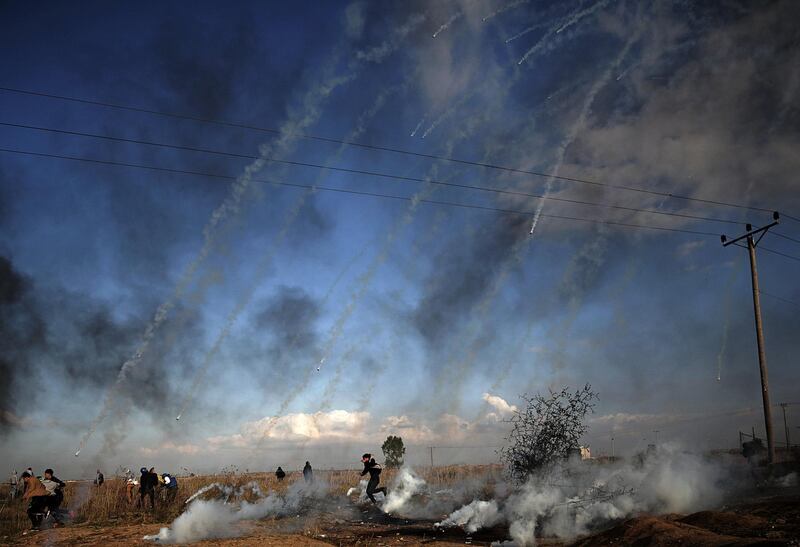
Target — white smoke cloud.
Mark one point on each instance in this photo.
(572, 500)
(404, 487)
(478, 514)
(215, 519)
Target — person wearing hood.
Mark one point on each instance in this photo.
(38, 497)
(374, 469)
(280, 474)
(308, 473)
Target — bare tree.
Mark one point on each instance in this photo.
(546, 430)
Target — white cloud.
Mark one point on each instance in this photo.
(170, 447)
(499, 404)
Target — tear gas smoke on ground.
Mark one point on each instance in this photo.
(576, 497)
(209, 519)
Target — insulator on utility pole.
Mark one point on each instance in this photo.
(762, 357)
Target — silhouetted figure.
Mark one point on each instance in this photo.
(308, 473)
(99, 479)
(374, 470)
(279, 474)
(147, 487)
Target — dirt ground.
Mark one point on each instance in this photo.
(767, 518)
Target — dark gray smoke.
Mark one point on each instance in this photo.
(287, 322)
(468, 271)
(50, 337)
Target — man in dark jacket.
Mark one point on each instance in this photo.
(374, 470)
(308, 473)
(55, 489)
(147, 487)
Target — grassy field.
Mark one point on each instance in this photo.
(108, 504)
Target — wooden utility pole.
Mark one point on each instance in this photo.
(762, 357)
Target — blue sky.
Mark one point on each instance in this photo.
(432, 320)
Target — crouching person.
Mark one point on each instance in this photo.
(55, 492)
(37, 496)
(170, 487)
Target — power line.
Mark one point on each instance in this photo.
(359, 192)
(779, 298)
(778, 253)
(389, 149)
(770, 251)
(785, 237)
(368, 173)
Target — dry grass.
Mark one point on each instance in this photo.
(108, 504)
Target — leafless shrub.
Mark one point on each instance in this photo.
(547, 430)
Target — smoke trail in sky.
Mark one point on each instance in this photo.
(520, 245)
(572, 19)
(455, 378)
(231, 206)
(504, 9)
(580, 123)
(526, 31)
(379, 365)
(727, 307)
(378, 53)
(578, 16)
(242, 303)
(449, 112)
(449, 22)
(294, 212)
(419, 125)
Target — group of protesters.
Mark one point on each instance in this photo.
(44, 495)
(150, 484)
(308, 473)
